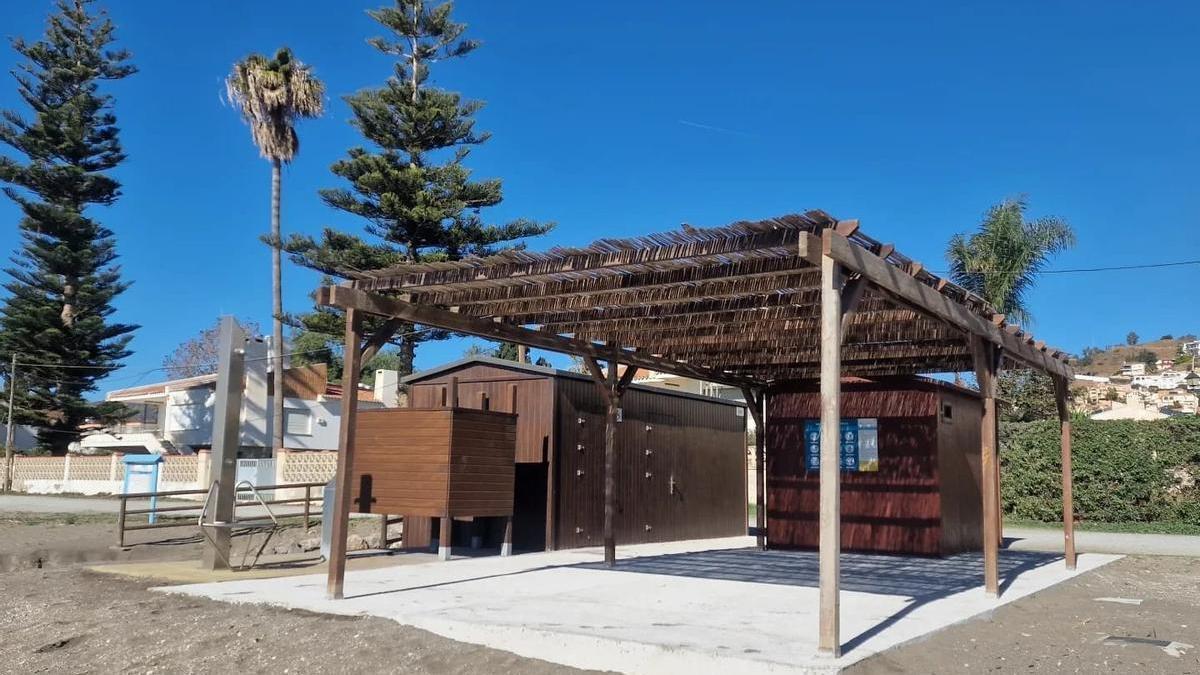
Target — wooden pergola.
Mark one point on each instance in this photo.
(752, 304)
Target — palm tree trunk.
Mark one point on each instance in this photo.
(276, 310)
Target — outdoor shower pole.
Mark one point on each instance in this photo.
(227, 411)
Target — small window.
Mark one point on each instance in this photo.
(947, 412)
(297, 422)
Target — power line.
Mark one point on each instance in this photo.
(1076, 270)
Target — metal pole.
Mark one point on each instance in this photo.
(227, 408)
(9, 433)
(307, 507)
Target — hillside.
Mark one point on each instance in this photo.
(1108, 361)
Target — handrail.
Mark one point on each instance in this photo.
(212, 491)
(172, 493)
(184, 520)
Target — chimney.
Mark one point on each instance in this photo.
(387, 388)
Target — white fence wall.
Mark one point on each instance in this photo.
(79, 474)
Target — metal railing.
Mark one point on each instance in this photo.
(189, 520)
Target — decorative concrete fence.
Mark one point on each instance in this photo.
(88, 475)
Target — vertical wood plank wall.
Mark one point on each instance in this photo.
(958, 456)
(681, 467)
(898, 509)
(535, 402)
(701, 444)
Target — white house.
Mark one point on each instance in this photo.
(177, 416)
(1161, 381)
(1131, 369)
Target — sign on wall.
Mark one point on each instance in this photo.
(858, 448)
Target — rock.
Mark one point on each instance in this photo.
(282, 549)
(309, 544)
(355, 543)
(373, 541)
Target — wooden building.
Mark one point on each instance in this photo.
(681, 457)
(437, 463)
(753, 304)
(919, 493)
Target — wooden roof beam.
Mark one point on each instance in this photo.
(627, 259)
(745, 269)
(347, 297)
(890, 278)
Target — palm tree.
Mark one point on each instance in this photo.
(1001, 261)
(271, 95)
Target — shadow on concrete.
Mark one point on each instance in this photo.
(920, 579)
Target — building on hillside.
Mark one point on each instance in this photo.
(1159, 381)
(176, 416)
(1178, 402)
(1130, 411)
(1191, 348)
(681, 474)
(1133, 369)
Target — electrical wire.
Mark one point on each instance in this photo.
(1077, 270)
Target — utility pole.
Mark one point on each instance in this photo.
(9, 435)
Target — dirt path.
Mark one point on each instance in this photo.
(1064, 628)
(69, 620)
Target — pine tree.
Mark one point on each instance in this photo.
(411, 185)
(59, 305)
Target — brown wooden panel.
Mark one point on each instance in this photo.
(690, 485)
(898, 509)
(482, 470)
(434, 462)
(534, 401)
(959, 463)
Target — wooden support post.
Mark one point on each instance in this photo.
(999, 496)
(445, 537)
(830, 542)
(1061, 395)
(610, 481)
(345, 461)
(506, 546)
(611, 389)
(987, 357)
(453, 392)
(383, 534)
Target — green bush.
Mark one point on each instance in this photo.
(1125, 470)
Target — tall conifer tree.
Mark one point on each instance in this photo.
(411, 185)
(63, 280)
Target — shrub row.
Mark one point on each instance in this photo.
(1124, 470)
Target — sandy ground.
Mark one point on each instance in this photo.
(40, 540)
(1064, 629)
(63, 619)
(69, 620)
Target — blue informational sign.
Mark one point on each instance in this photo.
(858, 444)
(141, 475)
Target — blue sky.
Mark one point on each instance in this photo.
(623, 118)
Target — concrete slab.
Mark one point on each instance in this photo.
(713, 606)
